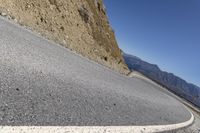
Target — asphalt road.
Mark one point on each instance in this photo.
(44, 84)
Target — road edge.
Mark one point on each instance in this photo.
(96, 129)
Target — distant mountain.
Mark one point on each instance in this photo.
(175, 84)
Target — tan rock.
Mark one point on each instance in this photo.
(80, 25)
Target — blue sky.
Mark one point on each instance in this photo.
(163, 32)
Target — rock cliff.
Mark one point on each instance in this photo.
(80, 25)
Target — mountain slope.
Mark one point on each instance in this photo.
(168, 80)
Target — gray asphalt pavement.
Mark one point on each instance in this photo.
(42, 83)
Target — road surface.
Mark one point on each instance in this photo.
(44, 84)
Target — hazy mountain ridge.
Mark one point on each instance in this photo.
(174, 83)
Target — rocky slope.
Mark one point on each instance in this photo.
(175, 84)
(80, 25)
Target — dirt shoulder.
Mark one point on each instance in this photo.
(195, 128)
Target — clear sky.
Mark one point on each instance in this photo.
(162, 32)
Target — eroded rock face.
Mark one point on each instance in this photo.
(80, 25)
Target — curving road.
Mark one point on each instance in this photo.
(44, 84)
